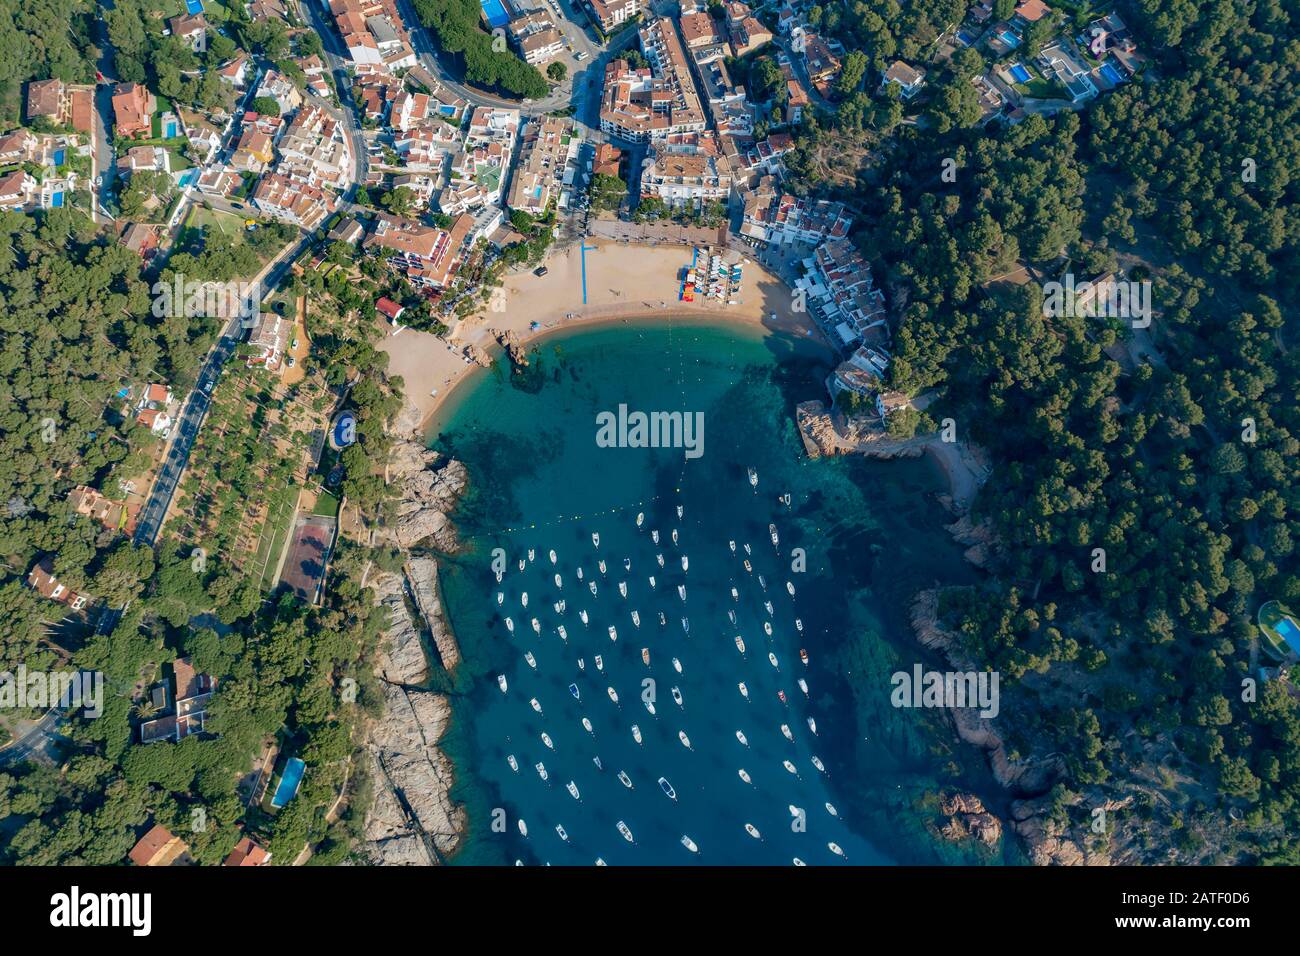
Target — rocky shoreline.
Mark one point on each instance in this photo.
(412, 820)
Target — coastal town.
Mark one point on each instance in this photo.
(341, 210)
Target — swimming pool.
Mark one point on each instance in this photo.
(1113, 75)
(1019, 73)
(289, 781)
(1009, 38)
(1290, 633)
(494, 11)
(964, 38)
(194, 6)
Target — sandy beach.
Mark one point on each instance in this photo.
(623, 281)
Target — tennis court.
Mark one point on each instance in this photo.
(304, 566)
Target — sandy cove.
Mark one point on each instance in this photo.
(624, 281)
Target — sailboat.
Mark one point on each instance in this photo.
(789, 586)
(501, 682)
(803, 686)
(789, 766)
(689, 844)
(830, 808)
(514, 764)
(686, 625)
(686, 741)
(816, 762)
(745, 776)
(586, 725)
(667, 788)
(510, 625)
(744, 691)
(835, 848)
(523, 599)
(640, 518)
(762, 582)
(523, 827)
(500, 599)
(596, 761)
(731, 615)
(785, 729)
(559, 582)
(546, 739)
(753, 831)
(740, 735)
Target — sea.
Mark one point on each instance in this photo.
(826, 762)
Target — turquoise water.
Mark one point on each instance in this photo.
(287, 789)
(870, 535)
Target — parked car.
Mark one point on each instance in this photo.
(540, 271)
(582, 55)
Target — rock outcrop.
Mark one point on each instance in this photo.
(430, 485)
(401, 656)
(967, 817)
(514, 349)
(412, 820)
(422, 572)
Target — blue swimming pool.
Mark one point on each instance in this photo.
(289, 782)
(1290, 633)
(1019, 73)
(494, 11)
(964, 38)
(1109, 71)
(194, 6)
(1009, 38)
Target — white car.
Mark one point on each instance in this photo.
(581, 55)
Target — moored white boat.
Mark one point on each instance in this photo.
(830, 808)
(541, 770)
(812, 725)
(622, 588)
(559, 828)
(523, 827)
(744, 691)
(785, 729)
(816, 762)
(600, 663)
(613, 694)
(790, 767)
(532, 661)
(636, 733)
(677, 697)
(624, 779)
(586, 725)
(514, 764)
(573, 790)
(636, 619)
(686, 741)
(510, 625)
(582, 616)
(627, 834)
(740, 735)
(536, 706)
(745, 776)
(771, 659)
(677, 665)
(546, 739)
(667, 788)
(689, 844)
(835, 848)
(573, 689)
(501, 682)
(613, 633)
(740, 644)
(753, 831)
(551, 555)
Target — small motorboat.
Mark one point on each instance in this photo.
(564, 635)
(627, 564)
(803, 686)
(753, 831)
(649, 705)
(523, 828)
(679, 511)
(732, 545)
(546, 739)
(613, 694)
(501, 682)
(573, 689)
(785, 729)
(636, 619)
(579, 573)
(830, 808)
(652, 582)
(745, 776)
(753, 479)
(523, 599)
(771, 659)
(835, 848)
(686, 563)
(510, 625)
(667, 788)
(767, 628)
(674, 535)
(654, 536)
(573, 790)
(622, 588)
(731, 615)
(812, 725)
(767, 606)
(803, 656)
(790, 767)
(686, 741)
(663, 621)
(532, 661)
(559, 582)
(613, 633)
(677, 665)
(735, 595)
(636, 733)
(789, 586)
(541, 770)
(740, 644)
(532, 553)
(689, 844)
(591, 586)
(537, 626)
(624, 779)
(551, 555)
(686, 626)
(781, 694)
(749, 567)
(514, 764)
(798, 862)
(600, 663)
(677, 697)
(521, 564)
(627, 834)
(660, 558)
(816, 762)
(586, 725)
(645, 656)
(681, 591)
(599, 765)
(500, 599)
(640, 518)
(776, 541)
(740, 735)
(559, 607)
(762, 583)
(595, 540)
(559, 828)
(582, 616)
(798, 625)
(744, 691)
(601, 564)
(536, 706)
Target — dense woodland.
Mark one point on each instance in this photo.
(1180, 465)
(456, 26)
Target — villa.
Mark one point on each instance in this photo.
(908, 79)
(159, 847)
(41, 579)
(189, 702)
(113, 515)
(133, 108)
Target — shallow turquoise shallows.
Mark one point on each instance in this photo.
(856, 540)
